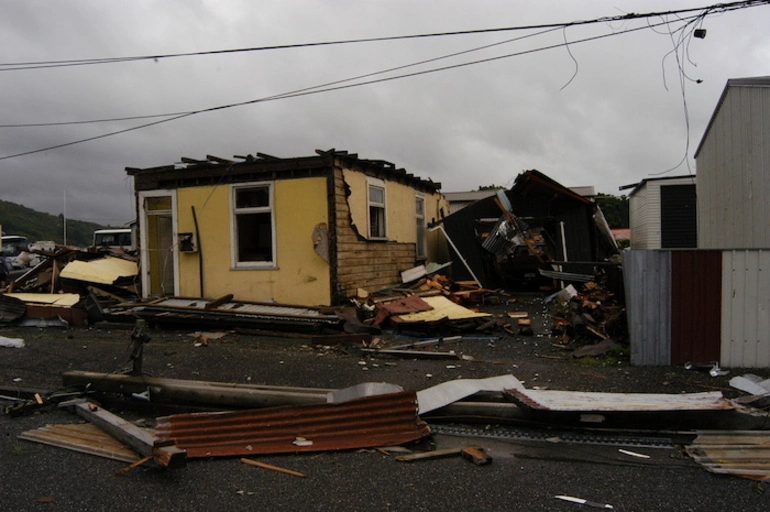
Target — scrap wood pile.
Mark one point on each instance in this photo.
(69, 285)
(433, 304)
(589, 319)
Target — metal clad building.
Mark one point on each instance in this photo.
(648, 299)
(733, 163)
(745, 314)
(662, 213)
(696, 283)
(699, 306)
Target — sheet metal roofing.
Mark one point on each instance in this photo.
(379, 420)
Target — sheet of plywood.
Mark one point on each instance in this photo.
(104, 270)
(57, 299)
(442, 308)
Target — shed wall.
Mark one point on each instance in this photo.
(696, 283)
(734, 172)
(745, 311)
(648, 300)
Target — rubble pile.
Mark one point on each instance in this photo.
(591, 316)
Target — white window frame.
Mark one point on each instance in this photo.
(421, 234)
(234, 212)
(380, 184)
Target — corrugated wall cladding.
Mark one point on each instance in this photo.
(678, 217)
(696, 281)
(699, 306)
(745, 309)
(733, 177)
(648, 304)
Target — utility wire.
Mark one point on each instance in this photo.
(547, 28)
(322, 89)
(18, 66)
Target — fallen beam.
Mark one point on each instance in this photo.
(140, 440)
(177, 391)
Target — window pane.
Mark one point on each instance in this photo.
(252, 197)
(376, 195)
(157, 203)
(255, 237)
(376, 222)
(420, 207)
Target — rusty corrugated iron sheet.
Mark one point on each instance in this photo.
(380, 420)
(696, 306)
(583, 401)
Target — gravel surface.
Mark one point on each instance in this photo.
(39, 477)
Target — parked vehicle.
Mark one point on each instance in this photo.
(13, 247)
(118, 238)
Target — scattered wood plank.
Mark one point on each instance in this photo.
(83, 438)
(139, 439)
(433, 454)
(477, 456)
(272, 468)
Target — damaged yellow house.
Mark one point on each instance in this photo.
(306, 231)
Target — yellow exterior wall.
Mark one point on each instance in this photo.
(301, 276)
(400, 212)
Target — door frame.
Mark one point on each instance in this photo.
(144, 255)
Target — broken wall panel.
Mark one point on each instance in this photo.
(380, 420)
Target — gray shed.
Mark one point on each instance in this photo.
(733, 163)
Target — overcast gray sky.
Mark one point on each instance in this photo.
(605, 112)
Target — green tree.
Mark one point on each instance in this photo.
(614, 208)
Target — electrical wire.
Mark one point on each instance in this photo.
(17, 66)
(318, 90)
(334, 86)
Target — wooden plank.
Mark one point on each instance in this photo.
(139, 439)
(218, 302)
(272, 468)
(83, 438)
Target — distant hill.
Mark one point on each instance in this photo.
(20, 220)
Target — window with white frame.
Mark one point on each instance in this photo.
(421, 242)
(377, 213)
(253, 225)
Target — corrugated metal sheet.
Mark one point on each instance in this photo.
(647, 277)
(740, 453)
(732, 162)
(678, 217)
(380, 420)
(696, 295)
(745, 334)
(581, 401)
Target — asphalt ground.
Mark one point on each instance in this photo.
(524, 475)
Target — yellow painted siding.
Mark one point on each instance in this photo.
(378, 264)
(400, 210)
(300, 277)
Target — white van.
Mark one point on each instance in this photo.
(118, 238)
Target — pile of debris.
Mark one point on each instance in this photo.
(430, 304)
(591, 319)
(68, 286)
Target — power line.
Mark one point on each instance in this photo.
(544, 29)
(334, 86)
(18, 66)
